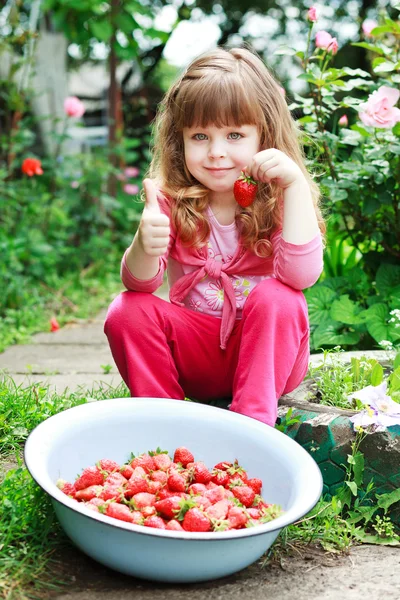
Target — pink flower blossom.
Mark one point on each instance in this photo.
(312, 14)
(368, 25)
(131, 172)
(324, 40)
(283, 91)
(73, 107)
(343, 121)
(131, 189)
(74, 184)
(379, 110)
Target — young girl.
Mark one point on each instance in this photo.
(236, 325)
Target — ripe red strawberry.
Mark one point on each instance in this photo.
(96, 504)
(196, 520)
(120, 511)
(244, 494)
(88, 493)
(148, 511)
(183, 455)
(108, 465)
(169, 506)
(223, 466)
(155, 522)
(66, 487)
(176, 483)
(255, 484)
(202, 502)
(174, 526)
(160, 476)
(136, 485)
(220, 477)
(154, 487)
(145, 461)
(219, 510)
(90, 476)
(200, 473)
(197, 488)
(115, 479)
(162, 462)
(112, 492)
(215, 495)
(143, 499)
(126, 471)
(245, 190)
(237, 517)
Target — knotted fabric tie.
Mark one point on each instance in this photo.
(215, 270)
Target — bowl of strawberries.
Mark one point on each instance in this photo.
(169, 490)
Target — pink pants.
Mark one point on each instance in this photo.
(166, 351)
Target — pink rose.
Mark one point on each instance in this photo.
(312, 14)
(324, 40)
(379, 110)
(368, 25)
(73, 107)
(131, 172)
(131, 189)
(343, 121)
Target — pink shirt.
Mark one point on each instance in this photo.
(217, 279)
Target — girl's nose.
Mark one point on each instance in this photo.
(216, 151)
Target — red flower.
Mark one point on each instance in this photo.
(54, 326)
(32, 166)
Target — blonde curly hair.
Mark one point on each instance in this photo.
(224, 87)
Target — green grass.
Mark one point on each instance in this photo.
(76, 296)
(29, 532)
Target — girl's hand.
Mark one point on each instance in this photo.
(153, 232)
(274, 164)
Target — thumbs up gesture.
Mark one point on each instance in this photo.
(153, 232)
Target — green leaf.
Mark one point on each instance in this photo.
(370, 47)
(353, 487)
(396, 129)
(358, 469)
(376, 320)
(346, 311)
(102, 30)
(396, 362)
(329, 333)
(394, 381)
(385, 67)
(377, 375)
(386, 500)
(387, 277)
(319, 300)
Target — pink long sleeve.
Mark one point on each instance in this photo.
(298, 265)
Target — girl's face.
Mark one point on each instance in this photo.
(216, 156)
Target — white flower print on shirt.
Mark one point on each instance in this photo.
(214, 295)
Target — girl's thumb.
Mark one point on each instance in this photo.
(151, 195)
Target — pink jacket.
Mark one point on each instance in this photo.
(298, 266)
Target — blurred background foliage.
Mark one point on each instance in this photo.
(62, 233)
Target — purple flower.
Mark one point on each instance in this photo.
(380, 410)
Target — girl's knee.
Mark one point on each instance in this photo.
(123, 308)
(272, 294)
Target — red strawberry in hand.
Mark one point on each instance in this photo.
(245, 190)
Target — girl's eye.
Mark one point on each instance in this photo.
(200, 139)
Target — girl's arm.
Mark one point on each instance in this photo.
(300, 224)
